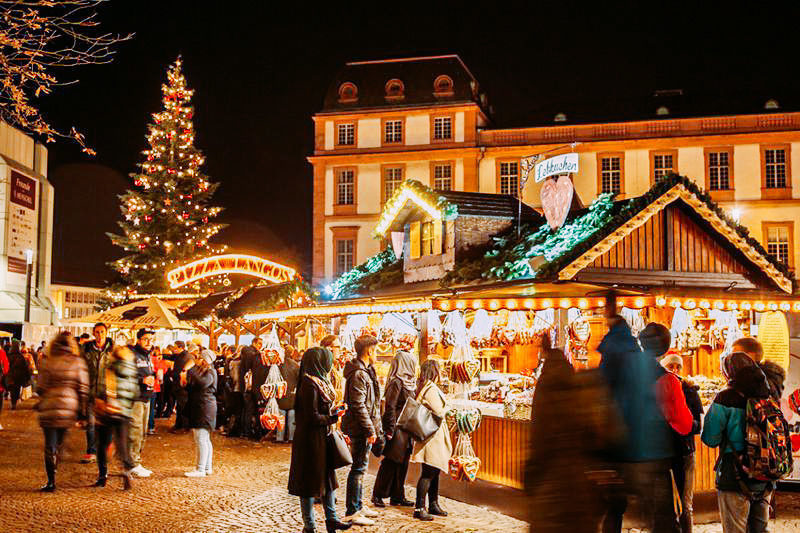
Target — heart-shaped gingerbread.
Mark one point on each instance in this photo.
(556, 196)
(472, 367)
(470, 467)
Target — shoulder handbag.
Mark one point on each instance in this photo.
(337, 450)
(418, 420)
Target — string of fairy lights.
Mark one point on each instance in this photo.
(167, 219)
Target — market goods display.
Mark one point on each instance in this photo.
(398, 330)
(274, 386)
(480, 333)
(579, 332)
(271, 419)
(709, 387)
(434, 329)
(273, 351)
(463, 420)
(454, 330)
(464, 464)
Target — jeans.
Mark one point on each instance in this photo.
(151, 420)
(138, 432)
(355, 480)
(687, 495)
(740, 515)
(91, 435)
(118, 431)
(15, 391)
(650, 481)
(307, 509)
(428, 485)
(53, 441)
(287, 433)
(202, 440)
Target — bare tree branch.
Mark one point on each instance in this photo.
(37, 37)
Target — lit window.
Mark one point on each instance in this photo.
(509, 178)
(393, 131)
(345, 187)
(426, 238)
(442, 128)
(392, 178)
(719, 171)
(443, 177)
(611, 175)
(775, 168)
(344, 256)
(778, 243)
(346, 134)
(662, 166)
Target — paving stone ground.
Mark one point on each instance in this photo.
(247, 492)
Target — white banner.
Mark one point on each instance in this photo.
(560, 164)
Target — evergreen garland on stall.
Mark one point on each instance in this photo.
(167, 216)
(380, 270)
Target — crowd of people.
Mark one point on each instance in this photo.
(599, 438)
(626, 430)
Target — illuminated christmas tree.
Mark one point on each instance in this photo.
(167, 219)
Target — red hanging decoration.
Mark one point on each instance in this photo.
(138, 183)
(185, 215)
(148, 218)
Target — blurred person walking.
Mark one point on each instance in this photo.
(19, 373)
(434, 453)
(200, 380)
(644, 460)
(94, 353)
(401, 384)
(234, 401)
(63, 390)
(290, 371)
(684, 464)
(141, 405)
(311, 473)
(250, 394)
(184, 355)
(362, 423)
(116, 390)
(160, 368)
(3, 378)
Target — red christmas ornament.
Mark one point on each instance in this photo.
(205, 220)
(185, 216)
(148, 218)
(138, 183)
(142, 246)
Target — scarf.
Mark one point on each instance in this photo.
(316, 366)
(404, 368)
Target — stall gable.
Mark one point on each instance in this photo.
(676, 240)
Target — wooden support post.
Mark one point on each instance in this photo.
(561, 321)
(422, 320)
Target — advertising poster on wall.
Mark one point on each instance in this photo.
(22, 223)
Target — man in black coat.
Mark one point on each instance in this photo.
(182, 358)
(250, 355)
(94, 353)
(290, 371)
(141, 404)
(362, 423)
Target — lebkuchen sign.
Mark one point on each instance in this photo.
(553, 166)
(229, 264)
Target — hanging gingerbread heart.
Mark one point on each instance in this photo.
(556, 196)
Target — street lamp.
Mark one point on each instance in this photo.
(28, 273)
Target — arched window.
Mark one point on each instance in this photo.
(771, 104)
(395, 90)
(443, 86)
(348, 92)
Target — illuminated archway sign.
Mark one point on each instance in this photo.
(229, 264)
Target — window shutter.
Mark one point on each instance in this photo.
(415, 240)
(437, 237)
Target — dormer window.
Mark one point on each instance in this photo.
(348, 93)
(443, 86)
(395, 90)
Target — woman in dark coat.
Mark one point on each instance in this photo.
(19, 373)
(310, 475)
(200, 380)
(401, 383)
(63, 394)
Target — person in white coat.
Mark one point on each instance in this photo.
(434, 453)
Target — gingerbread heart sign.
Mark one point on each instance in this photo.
(556, 196)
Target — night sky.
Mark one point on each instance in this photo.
(261, 73)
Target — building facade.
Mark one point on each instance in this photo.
(26, 229)
(426, 119)
(74, 301)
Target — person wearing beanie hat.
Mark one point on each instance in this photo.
(200, 380)
(672, 362)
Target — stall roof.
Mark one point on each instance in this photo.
(151, 313)
(256, 298)
(203, 307)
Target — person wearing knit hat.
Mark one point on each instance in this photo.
(673, 362)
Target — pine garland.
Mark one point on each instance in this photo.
(378, 271)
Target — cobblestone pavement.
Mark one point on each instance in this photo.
(247, 492)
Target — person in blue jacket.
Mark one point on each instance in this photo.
(743, 502)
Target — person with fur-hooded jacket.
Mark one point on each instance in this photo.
(743, 502)
(63, 390)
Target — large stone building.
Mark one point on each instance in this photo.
(26, 229)
(427, 119)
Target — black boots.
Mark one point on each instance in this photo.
(332, 526)
(422, 514)
(50, 486)
(433, 508)
(378, 502)
(402, 503)
(50, 467)
(101, 481)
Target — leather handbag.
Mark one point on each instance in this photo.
(338, 452)
(418, 420)
(397, 448)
